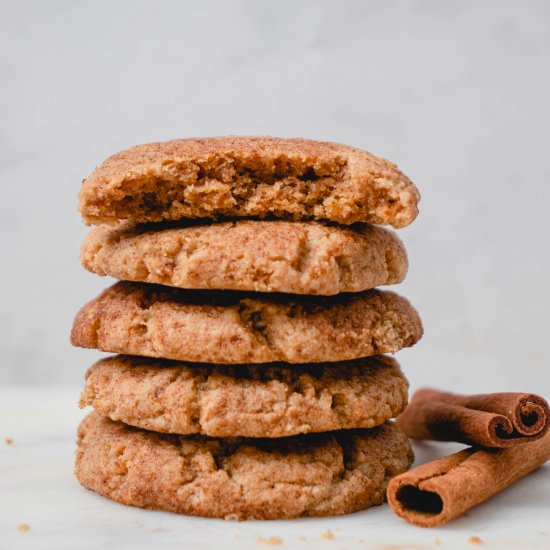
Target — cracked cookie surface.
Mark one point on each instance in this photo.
(235, 478)
(263, 256)
(272, 400)
(236, 327)
(236, 176)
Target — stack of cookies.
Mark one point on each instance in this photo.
(250, 381)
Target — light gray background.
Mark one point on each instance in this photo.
(456, 93)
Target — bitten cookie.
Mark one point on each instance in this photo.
(263, 256)
(248, 176)
(307, 475)
(246, 400)
(232, 327)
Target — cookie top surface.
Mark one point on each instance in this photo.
(235, 327)
(263, 256)
(236, 176)
(233, 478)
(272, 400)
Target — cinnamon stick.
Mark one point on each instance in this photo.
(443, 489)
(488, 420)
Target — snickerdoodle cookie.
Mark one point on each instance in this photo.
(233, 327)
(248, 176)
(272, 400)
(234, 478)
(264, 256)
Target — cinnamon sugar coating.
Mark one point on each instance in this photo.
(263, 256)
(234, 176)
(272, 400)
(235, 478)
(233, 327)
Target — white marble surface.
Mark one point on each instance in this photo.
(37, 487)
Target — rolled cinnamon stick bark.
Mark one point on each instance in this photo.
(443, 489)
(488, 420)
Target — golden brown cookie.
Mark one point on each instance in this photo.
(264, 256)
(272, 400)
(248, 176)
(307, 475)
(232, 327)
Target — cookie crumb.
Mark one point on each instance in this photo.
(361, 541)
(475, 540)
(9, 441)
(437, 541)
(23, 527)
(301, 537)
(270, 540)
(327, 535)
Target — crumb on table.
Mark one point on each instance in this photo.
(23, 527)
(9, 441)
(327, 535)
(270, 540)
(475, 540)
